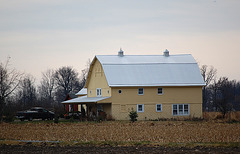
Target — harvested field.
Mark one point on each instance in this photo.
(109, 149)
(235, 116)
(156, 132)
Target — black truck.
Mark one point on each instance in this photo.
(35, 113)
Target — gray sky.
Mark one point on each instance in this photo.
(48, 34)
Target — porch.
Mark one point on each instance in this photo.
(91, 108)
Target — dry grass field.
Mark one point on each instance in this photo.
(156, 132)
(235, 116)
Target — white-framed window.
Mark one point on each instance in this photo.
(180, 109)
(140, 108)
(99, 92)
(140, 91)
(158, 107)
(160, 91)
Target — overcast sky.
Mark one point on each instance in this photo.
(48, 34)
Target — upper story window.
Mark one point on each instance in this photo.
(160, 91)
(99, 92)
(120, 91)
(140, 91)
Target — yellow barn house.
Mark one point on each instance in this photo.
(156, 86)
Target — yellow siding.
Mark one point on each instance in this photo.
(119, 105)
(107, 108)
(129, 98)
(98, 80)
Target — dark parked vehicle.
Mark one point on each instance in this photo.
(35, 113)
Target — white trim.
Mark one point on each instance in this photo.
(183, 113)
(160, 93)
(143, 91)
(138, 107)
(84, 99)
(99, 92)
(157, 109)
(158, 85)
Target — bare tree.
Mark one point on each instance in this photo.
(9, 81)
(85, 74)
(66, 81)
(225, 95)
(208, 73)
(27, 95)
(46, 88)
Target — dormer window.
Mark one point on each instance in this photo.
(99, 92)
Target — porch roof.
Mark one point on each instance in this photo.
(85, 99)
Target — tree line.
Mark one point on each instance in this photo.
(219, 95)
(19, 92)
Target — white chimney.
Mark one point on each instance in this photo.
(120, 53)
(166, 53)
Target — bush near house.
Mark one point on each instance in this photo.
(133, 116)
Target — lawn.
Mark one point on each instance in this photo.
(147, 132)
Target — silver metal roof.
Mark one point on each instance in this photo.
(83, 91)
(85, 99)
(151, 70)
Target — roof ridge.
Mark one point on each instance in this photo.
(142, 63)
(146, 55)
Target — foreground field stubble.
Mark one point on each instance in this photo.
(109, 149)
(120, 131)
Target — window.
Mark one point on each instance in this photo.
(160, 91)
(140, 91)
(99, 92)
(175, 111)
(140, 108)
(186, 109)
(159, 107)
(180, 109)
(119, 91)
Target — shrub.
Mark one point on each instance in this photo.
(133, 115)
(56, 120)
(8, 118)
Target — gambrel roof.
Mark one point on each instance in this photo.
(150, 70)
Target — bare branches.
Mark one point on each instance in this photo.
(47, 88)
(85, 74)
(27, 91)
(9, 81)
(208, 73)
(67, 80)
